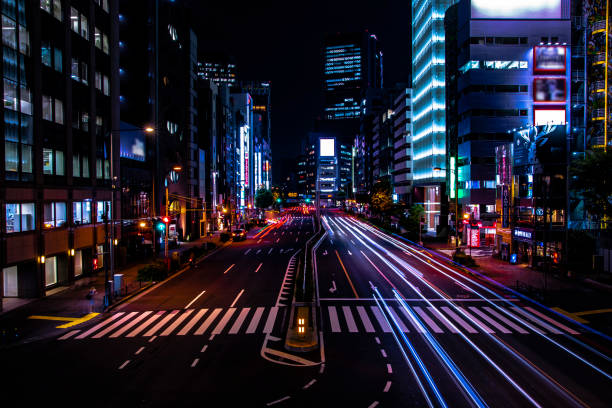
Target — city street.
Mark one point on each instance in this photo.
(398, 328)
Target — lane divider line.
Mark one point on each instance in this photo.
(347, 275)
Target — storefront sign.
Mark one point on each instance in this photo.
(522, 234)
(506, 207)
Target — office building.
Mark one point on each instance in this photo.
(402, 146)
(261, 92)
(428, 100)
(506, 69)
(219, 68)
(60, 146)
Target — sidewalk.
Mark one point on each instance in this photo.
(71, 300)
(513, 276)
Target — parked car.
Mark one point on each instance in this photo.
(239, 235)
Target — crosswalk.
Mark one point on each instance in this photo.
(438, 320)
(197, 322)
(336, 319)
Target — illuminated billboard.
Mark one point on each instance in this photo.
(543, 145)
(549, 58)
(549, 90)
(517, 9)
(327, 147)
(131, 143)
(549, 116)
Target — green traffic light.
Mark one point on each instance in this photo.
(161, 226)
(278, 200)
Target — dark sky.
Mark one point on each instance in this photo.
(281, 41)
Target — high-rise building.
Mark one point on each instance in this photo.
(428, 99)
(402, 146)
(352, 63)
(261, 92)
(60, 148)
(219, 68)
(506, 68)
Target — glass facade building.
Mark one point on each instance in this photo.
(429, 122)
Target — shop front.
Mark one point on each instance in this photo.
(523, 244)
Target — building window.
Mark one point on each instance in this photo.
(47, 107)
(54, 214)
(105, 43)
(53, 162)
(57, 9)
(20, 217)
(84, 27)
(74, 19)
(98, 38)
(102, 211)
(9, 32)
(52, 109)
(81, 212)
(50, 271)
(78, 262)
(57, 60)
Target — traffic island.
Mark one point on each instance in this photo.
(302, 334)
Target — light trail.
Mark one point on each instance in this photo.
(406, 358)
(419, 256)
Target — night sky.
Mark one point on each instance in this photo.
(281, 41)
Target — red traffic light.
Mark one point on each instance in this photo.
(166, 220)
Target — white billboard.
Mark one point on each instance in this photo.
(549, 116)
(517, 9)
(327, 147)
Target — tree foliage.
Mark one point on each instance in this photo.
(263, 198)
(412, 222)
(381, 200)
(591, 178)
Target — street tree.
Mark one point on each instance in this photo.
(263, 198)
(591, 179)
(381, 200)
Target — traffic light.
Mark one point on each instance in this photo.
(307, 200)
(166, 220)
(161, 225)
(278, 200)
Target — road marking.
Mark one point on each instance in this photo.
(271, 318)
(212, 336)
(195, 362)
(130, 324)
(459, 320)
(223, 322)
(114, 325)
(194, 299)
(122, 366)
(309, 384)
(259, 267)
(152, 338)
(387, 386)
(239, 320)
(176, 323)
(139, 350)
(259, 240)
(228, 269)
(506, 321)
(477, 322)
(348, 316)
(247, 251)
(192, 322)
(428, 320)
(211, 317)
(322, 368)
(72, 321)
(489, 320)
(333, 319)
(255, 320)
(383, 352)
(350, 253)
(399, 321)
(536, 320)
(377, 340)
(373, 405)
(548, 319)
(381, 320)
(389, 369)
(161, 323)
(443, 319)
(296, 240)
(575, 317)
(270, 251)
(99, 325)
(277, 239)
(590, 312)
(347, 275)
(418, 327)
(204, 348)
(278, 401)
(237, 297)
(69, 335)
(258, 251)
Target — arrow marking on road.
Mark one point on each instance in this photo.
(333, 288)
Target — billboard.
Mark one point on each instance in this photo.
(132, 144)
(327, 147)
(540, 145)
(549, 90)
(549, 116)
(517, 9)
(549, 58)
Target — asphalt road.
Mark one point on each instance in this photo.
(398, 327)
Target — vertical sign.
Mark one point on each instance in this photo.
(452, 177)
(505, 206)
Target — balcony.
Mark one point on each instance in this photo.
(598, 26)
(598, 114)
(599, 58)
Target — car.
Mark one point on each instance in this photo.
(239, 235)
